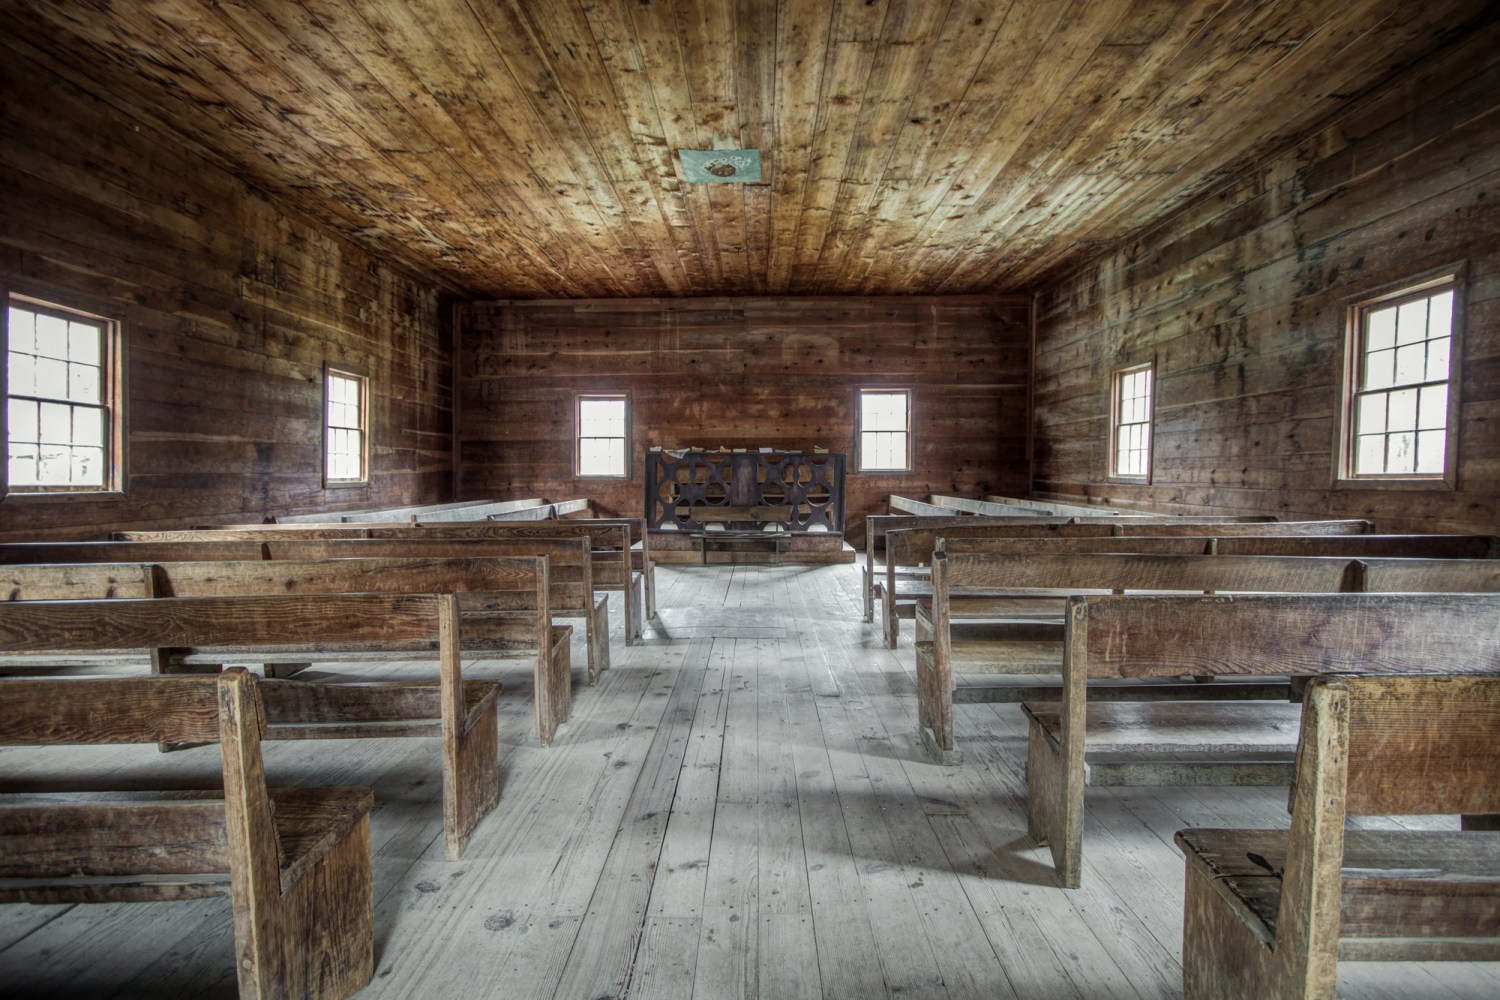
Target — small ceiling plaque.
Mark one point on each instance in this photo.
(720, 166)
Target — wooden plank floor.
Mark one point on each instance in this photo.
(740, 809)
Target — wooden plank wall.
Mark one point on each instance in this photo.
(744, 372)
(231, 307)
(1242, 300)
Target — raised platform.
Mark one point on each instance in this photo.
(699, 548)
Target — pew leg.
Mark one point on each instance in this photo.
(471, 779)
(1054, 809)
(552, 683)
(598, 639)
(318, 939)
(890, 623)
(1222, 959)
(635, 608)
(935, 707)
(869, 595)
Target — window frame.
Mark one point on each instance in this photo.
(578, 400)
(344, 371)
(910, 394)
(1116, 405)
(1345, 447)
(68, 304)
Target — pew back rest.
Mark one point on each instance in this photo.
(281, 621)
(1113, 571)
(108, 710)
(1432, 575)
(1360, 546)
(488, 581)
(1420, 746)
(1298, 634)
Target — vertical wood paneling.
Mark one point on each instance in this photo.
(743, 373)
(231, 306)
(1242, 296)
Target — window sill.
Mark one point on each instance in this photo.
(1430, 485)
(91, 496)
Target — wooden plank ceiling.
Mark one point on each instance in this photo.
(526, 148)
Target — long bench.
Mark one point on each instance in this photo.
(997, 606)
(1021, 601)
(1011, 505)
(294, 862)
(1073, 743)
(462, 713)
(572, 564)
(408, 513)
(1271, 913)
(909, 550)
(504, 600)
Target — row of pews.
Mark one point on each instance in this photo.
(173, 617)
(1175, 651)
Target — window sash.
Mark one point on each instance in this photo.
(884, 430)
(601, 437)
(1398, 419)
(60, 399)
(1132, 412)
(346, 415)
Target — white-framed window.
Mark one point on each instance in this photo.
(884, 432)
(62, 399)
(602, 436)
(1131, 411)
(1401, 387)
(346, 428)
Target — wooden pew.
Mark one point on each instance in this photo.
(1035, 585)
(1073, 742)
(462, 714)
(906, 505)
(294, 862)
(1058, 507)
(1270, 913)
(569, 570)
(387, 514)
(611, 541)
(1008, 505)
(909, 550)
(504, 600)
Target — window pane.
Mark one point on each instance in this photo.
(57, 423)
(1380, 370)
(1371, 414)
(1370, 458)
(1437, 359)
(54, 464)
(1440, 315)
(1431, 448)
(21, 327)
(1432, 410)
(1380, 333)
(1411, 363)
(1411, 322)
(22, 471)
(83, 343)
(88, 467)
(51, 337)
(83, 383)
(51, 378)
(1401, 452)
(88, 426)
(1401, 413)
(21, 417)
